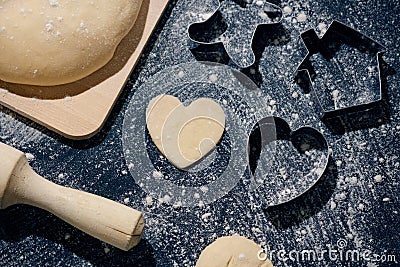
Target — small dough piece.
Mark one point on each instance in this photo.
(184, 135)
(232, 251)
(52, 42)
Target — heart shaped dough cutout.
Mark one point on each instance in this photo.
(184, 135)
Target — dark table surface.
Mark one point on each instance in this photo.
(354, 206)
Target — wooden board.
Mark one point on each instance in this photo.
(79, 110)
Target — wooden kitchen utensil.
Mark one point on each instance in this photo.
(102, 218)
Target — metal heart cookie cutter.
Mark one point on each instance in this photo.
(343, 70)
(285, 163)
(234, 24)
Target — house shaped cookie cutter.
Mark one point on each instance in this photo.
(357, 115)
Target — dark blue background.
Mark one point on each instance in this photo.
(327, 213)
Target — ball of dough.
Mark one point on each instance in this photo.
(232, 251)
(51, 42)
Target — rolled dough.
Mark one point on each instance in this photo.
(184, 135)
(232, 251)
(51, 42)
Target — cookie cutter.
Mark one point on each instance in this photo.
(310, 148)
(358, 113)
(239, 20)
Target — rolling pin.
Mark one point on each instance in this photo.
(99, 217)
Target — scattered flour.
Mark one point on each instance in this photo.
(288, 10)
(378, 178)
(302, 17)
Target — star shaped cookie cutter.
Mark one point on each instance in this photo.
(239, 20)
